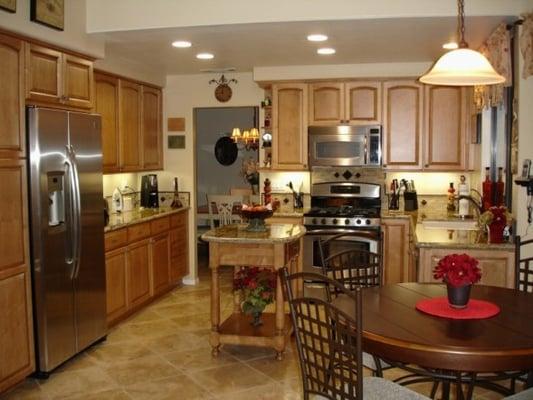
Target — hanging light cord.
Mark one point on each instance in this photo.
(461, 24)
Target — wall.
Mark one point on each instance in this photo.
(74, 37)
(131, 69)
(181, 95)
(141, 14)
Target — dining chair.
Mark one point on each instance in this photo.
(523, 265)
(222, 207)
(329, 344)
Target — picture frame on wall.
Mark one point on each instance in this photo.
(48, 12)
(8, 5)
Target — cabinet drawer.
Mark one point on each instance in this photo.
(159, 225)
(177, 220)
(139, 231)
(116, 239)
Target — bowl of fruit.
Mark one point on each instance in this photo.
(256, 215)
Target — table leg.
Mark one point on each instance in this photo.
(215, 311)
(279, 339)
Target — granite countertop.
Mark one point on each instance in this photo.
(237, 233)
(123, 219)
(444, 238)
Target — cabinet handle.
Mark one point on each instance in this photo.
(426, 165)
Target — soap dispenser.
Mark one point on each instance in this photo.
(463, 190)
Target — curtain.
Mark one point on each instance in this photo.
(526, 45)
(497, 49)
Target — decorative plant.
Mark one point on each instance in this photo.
(496, 214)
(458, 270)
(249, 171)
(257, 286)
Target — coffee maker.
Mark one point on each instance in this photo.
(149, 193)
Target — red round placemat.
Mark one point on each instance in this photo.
(476, 309)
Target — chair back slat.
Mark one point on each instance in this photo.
(329, 341)
(222, 207)
(523, 265)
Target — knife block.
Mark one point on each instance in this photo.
(410, 201)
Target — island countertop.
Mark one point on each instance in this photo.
(237, 233)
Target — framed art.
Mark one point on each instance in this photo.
(8, 5)
(48, 12)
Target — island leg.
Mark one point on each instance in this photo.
(279, 338)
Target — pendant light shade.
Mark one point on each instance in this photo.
(462, 67)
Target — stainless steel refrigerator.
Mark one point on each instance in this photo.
(67, 233)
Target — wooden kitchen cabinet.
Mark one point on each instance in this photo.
(289, 123)
(397, 261)
(57, 78)
(403, 111)
(353, 103)
(160, 261)
(179, 247)
(116, 287)
(151, 129)
(16, 322)
(130, 126)
(12, 115)
(446, 130)
(497, 266)
(138, 272)
(106, 104)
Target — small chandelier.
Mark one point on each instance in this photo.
(249, 139)
(462, 67)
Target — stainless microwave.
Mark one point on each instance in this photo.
(345, 145)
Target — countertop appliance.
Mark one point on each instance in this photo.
(345, 145)
(337, 206)
(67, 233)
(149, 191)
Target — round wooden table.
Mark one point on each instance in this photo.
(393, 329)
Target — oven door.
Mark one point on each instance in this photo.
(311, 250)
(337, 150)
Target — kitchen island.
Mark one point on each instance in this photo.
(280, 245)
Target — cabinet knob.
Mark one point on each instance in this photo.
(384, 165)
(426, 165)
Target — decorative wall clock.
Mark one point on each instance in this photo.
(223, 91)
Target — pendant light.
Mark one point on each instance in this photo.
(462, 67)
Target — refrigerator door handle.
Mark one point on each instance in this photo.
(70, 214)
(74, 212)
(77, 215)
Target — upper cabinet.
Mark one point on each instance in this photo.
(132, 136)
(403, 109)
(446, 120)
(354, 103)
(57, 78)
(11, 97)
(289, 123)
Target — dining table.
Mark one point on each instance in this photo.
(476, 352)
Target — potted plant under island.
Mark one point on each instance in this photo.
(257, 287)
(459, 272)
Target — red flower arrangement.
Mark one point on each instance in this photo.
(257, 286)
(458, 270)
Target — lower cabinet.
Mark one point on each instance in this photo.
(497, 266)
(398, 264)
(144, 261)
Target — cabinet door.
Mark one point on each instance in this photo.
(160, 251)
(151, 129)
(44, 74)
(116, 294)
(106, 99)
(402, 125)
(396, 261)
(326, 103)
(445, 127)
(363, 103)
(179, 248)
(78, 81)
(289, 135)
(16, 327)
(138, 273)
(130, 126)
(11, 97)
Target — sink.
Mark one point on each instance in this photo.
(459, 224)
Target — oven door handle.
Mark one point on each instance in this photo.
(333, 232)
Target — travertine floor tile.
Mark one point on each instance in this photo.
(28, 390)
(196, 360)
(143, 369)
(246, 353)
(279, 370)
(113, 394)
(180, 341)
(64, 385)
(154, 329)
(176, 387)
(113, 353)
(264, 392)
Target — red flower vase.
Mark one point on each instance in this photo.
(458, 296)
(497, 226)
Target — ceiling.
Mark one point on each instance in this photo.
(245, 46)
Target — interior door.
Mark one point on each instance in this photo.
(51, 236)
(89, 280)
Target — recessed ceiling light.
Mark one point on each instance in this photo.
(326, 51)
(182, 44)
(205, 56)
(317, 37)
(450, 46)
